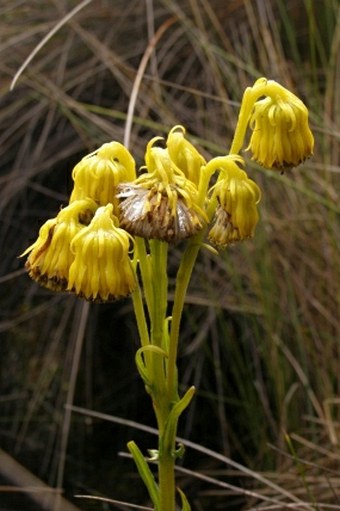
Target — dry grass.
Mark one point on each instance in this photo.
(261, 338)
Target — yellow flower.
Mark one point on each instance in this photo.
(98, 174)
(50, 256)
(281, 137)
(161, 203)
(184, 155)
(237, 196)
(102, 270)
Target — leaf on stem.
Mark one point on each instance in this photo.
(185, 503)
(141, 360)
(171, 423)
(145, 474)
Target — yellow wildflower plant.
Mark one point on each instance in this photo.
(102, 269)
(86, 249)
(281, 137)
(237, 196)
(162, 202)
(98, 174)
(50, 256)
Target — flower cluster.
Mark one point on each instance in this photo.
(83, 249)
(88, 247)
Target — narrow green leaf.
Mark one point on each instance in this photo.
(145, 474)
(183, 402)
(141, 366)
(185, 503)
(140, 360)
(171, 423)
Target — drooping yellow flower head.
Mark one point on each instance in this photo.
(98, 174)
(102, 269)
(281, 137)
(237, 196)
(50, 256)
(162, 202)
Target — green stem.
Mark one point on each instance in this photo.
(159, 253)
(137, 301)
(166, 479)
(182, 282)
(166, 464)
(158, 335)
(247, 105)
(161, 402)
(145, 271)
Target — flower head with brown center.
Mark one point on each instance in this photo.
(50, 256)
(162, 202)
(237, 196)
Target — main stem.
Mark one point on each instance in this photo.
(161, 402)
(163, 371)
(166, 463)
(166, 480)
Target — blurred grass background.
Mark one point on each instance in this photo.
(261, 332)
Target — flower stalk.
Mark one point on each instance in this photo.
(113, 240)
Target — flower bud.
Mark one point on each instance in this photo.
(184, 155)
(98, 174)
